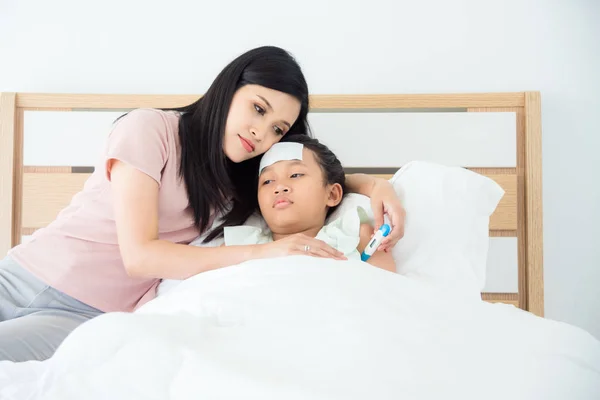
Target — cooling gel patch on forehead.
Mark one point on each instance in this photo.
(281, 152)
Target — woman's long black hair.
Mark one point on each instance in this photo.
(212, 180)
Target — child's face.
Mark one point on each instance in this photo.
(293, 197)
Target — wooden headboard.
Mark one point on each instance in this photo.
(31, 196)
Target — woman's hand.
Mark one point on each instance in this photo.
(384, 200)
(298, 244)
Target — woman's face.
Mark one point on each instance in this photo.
(258, 118)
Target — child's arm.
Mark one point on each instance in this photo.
(380, 259)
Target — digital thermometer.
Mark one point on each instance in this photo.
(375, 242)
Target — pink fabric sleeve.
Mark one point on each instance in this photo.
(140, 140)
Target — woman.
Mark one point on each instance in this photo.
(164, 176)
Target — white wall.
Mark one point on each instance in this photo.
(370, 46)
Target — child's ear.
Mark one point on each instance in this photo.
(335, 195)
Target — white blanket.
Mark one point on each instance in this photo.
(306, 328)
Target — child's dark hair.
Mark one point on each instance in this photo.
(333, 172)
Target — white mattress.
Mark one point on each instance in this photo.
(306, 328)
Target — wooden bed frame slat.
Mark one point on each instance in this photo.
(7, 144)
(45, 195)
(524, 289)
(41, 101)
(17, 213)
(507, 298)
(47, 190)
(31, 196)
(533, 202)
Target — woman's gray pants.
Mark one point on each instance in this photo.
(34, 317)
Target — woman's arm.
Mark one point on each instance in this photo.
(380, 259)
(384, 200)
(360, 183)
(146, 256)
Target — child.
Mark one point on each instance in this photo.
(301, 182)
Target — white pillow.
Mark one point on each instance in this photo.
(446, 230)
(446, 236)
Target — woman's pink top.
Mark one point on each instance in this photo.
(78, 253)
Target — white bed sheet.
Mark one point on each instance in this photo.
(306, 328)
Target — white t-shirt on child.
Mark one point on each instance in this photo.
(343, 233)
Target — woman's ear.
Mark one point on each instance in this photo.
(335, 195)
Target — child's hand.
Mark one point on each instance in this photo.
(296, 245)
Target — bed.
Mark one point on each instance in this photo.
(33, 194)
